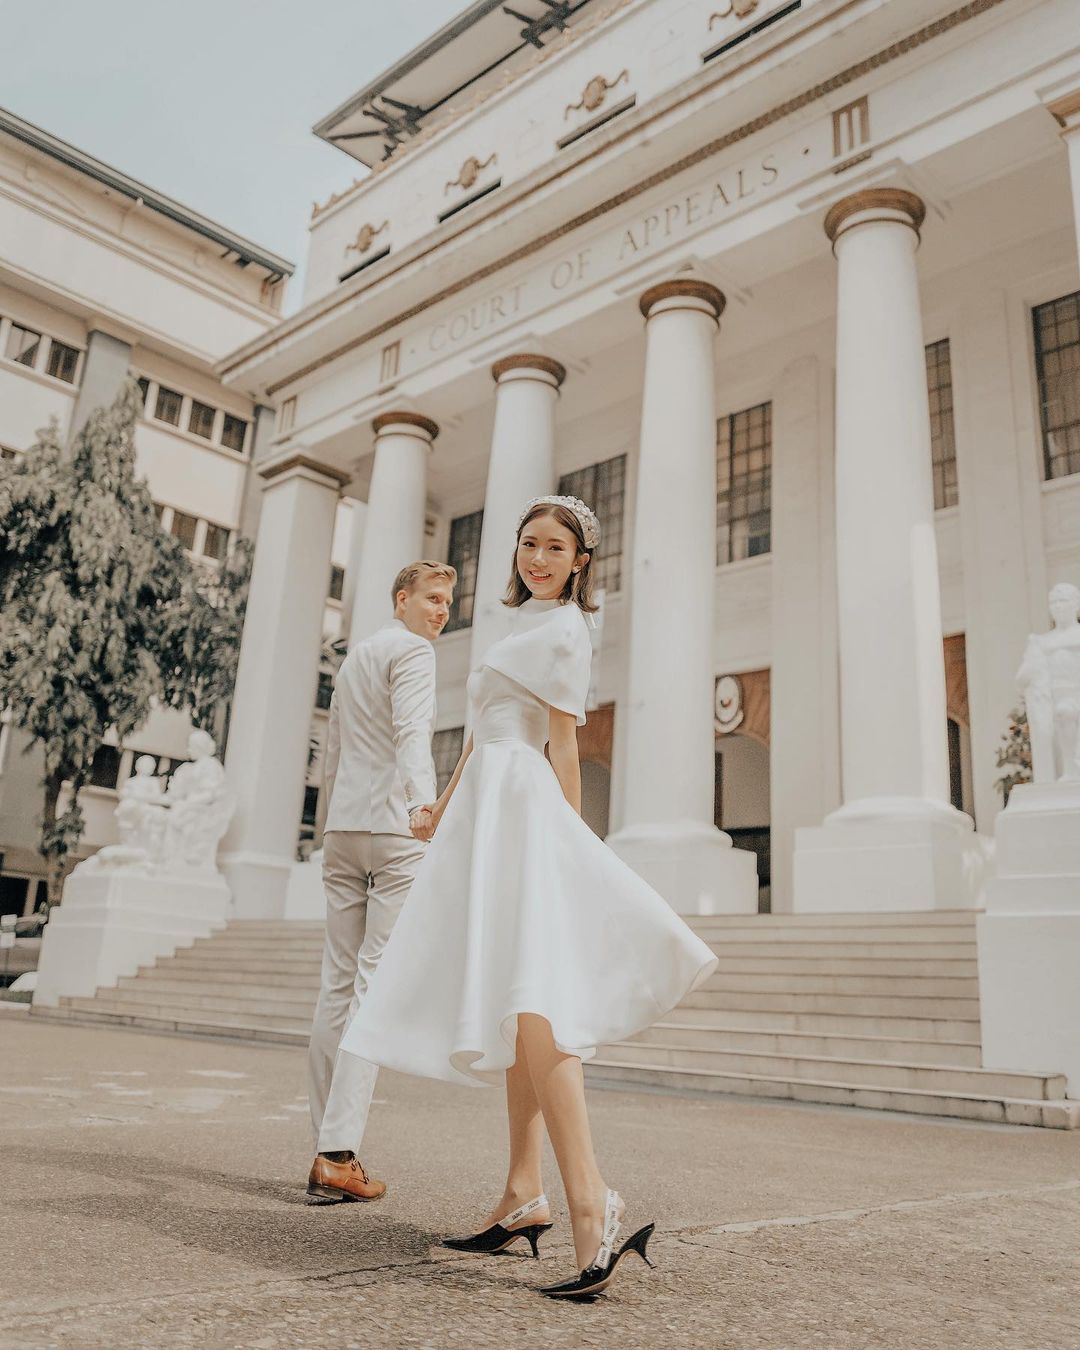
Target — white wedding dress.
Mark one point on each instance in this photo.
(517, 906)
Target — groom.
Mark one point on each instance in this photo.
(380, 781)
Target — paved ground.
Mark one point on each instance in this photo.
(151, 1195)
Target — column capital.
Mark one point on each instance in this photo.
(1066, 110)
(409, 419)
(297, 463)
(529, 361)
(896, 204)
(683, 288)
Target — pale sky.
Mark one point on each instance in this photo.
(209, 101)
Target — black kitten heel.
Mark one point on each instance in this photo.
(501, 1235)
(595, 1278)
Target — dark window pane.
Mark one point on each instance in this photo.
(13, 893)
(216, 544)
(311, 804)
(337, 582)
(1057, 364)
(201, 420)
(22, 345)
(159, 511)
(168, 406)
(62, 361)
(446, 749)
(603, 488)
(942, 430)
(183, 526)
(464, 555)
(325, 690)
(105, 770)
(233, 431)
(744, 484)
(144, 385)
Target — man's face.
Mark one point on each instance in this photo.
(426, 608)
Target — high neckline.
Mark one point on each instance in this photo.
(533, 605)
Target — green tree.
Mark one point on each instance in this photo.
(1014, 754)
(93, 596)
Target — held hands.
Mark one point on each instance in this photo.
(422, 822)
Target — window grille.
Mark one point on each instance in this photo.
(942, 431)
(464, 555)
(603, 487)
(446, 748)
(1057, 363)
(744, 484)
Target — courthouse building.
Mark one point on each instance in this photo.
(100, 276)
(787, 290)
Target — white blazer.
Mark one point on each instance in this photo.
(378, 752)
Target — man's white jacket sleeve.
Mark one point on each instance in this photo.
(333, 747)
(412, 706)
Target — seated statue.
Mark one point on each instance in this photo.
(1049, 680)
(140, 821)
(200, 808)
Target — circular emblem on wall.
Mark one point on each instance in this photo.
(729, 704)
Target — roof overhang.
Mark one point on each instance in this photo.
(482, 46)
(242, 251)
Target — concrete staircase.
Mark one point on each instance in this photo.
(872, 1010)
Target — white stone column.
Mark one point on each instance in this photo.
(394, 521)
(895, 842)
(804, 754)
(267, 750)
(1066, 112)
(521, 466)
(668, 835)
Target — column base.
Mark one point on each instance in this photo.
(1029, 937)
(305, 899)
(886, 855)
(112, 922)
(693, 866)
(259, 883)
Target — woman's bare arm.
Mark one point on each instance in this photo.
(563, 752)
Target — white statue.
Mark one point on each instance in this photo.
(200, 808)
(140, 823)
(1049, 680)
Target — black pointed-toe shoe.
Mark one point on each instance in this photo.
(595, 1278)
(500, 1235)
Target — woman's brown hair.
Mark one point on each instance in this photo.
(578, 584)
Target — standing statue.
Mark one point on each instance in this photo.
(200, 808)
(1049, 680)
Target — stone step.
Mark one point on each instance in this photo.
(737, 963)
(159, 982)
(785, 949)
(856, 1005)
(830, 1023)
(100, 1016)
(899, 986)
(219, 962)
(878, 937)
(290, 927)
(168, 1009)
(944, 1078)
(1060, 1115)
(899, 1049)
(268, 946)
(918, 918)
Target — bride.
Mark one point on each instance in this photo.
(525, 941)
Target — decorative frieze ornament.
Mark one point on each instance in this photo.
(728, 704)
(595, 92)
(740, 9)
(469, 172)
(366, 237)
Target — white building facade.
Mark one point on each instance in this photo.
(101, 276)
(788, 292)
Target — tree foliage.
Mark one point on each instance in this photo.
(102, 614)
(1014, 754)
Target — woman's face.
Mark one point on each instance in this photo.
(546, 555)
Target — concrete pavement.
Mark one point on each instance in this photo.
(151, 1194)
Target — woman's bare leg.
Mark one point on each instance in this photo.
(524, 1180)
(560, 1089)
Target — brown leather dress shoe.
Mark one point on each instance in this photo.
(333, 1182)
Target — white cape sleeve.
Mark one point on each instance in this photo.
(552, 659)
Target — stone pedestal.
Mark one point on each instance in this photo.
(1029, 936)
(305, 899)
(112, 922)
(668, 835)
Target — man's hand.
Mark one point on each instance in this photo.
(422, 823)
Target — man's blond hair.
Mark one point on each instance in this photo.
(410, 577)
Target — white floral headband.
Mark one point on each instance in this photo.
(590, 526)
